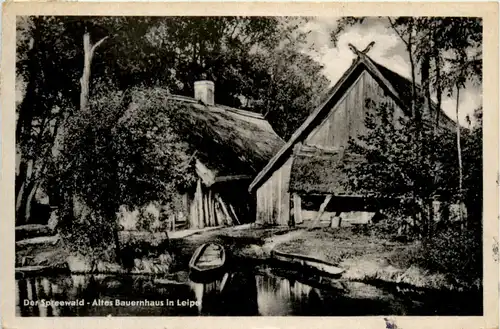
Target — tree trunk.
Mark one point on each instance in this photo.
(439, 89)
(88, 54)
(22, 195)
(21, 204)
(85, 79)
(459, 152)
(413, 79)
(29, 200)
(27, 108)
(24, 126)
(116, 236)
(20, 173)
(424, 70)
(111, 214)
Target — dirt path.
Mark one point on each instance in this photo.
(271, 242)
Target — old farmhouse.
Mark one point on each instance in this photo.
(301, 181)
(231, 147)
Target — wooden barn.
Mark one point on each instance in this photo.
(301, 181)
(230, 147)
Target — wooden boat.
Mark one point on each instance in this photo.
(34, 270)
(308, 262)
(208, 260)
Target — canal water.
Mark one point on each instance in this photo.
(244, 292)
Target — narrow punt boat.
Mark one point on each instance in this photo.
(34, 270)
(208, 260)
(308, 262)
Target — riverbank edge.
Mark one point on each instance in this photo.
(372, 271)
(354, 269)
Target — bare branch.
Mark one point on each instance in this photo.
(98, 43)
(393, 25)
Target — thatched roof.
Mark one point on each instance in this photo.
(403, 86)
(227, 141)
(395, 85)
(321, 172)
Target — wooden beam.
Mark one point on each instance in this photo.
(234, 213)
(211, 220)
(211, 207)
(220, 214)
(297, 209)
(337, 215)
(230, 178)
(192, 215)
(321, 210)
(198, 196)
(224, 209)
(204, 173)
(206, 211)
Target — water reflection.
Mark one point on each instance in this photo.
(239, 293)
(276, 297)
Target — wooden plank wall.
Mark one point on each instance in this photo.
(208, 209)
(346, 119)
(273, 198)
(373, 91)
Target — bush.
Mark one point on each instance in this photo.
(456, 252)
(393, 228)
(91, 237)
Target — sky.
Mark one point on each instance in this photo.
(388, 50)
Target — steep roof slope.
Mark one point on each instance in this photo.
(228, 141)
(398, 87)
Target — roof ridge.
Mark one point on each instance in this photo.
(291, 141)
(392, 71)
(372, 67)
(242, 112)
(417, 85)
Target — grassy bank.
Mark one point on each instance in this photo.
(367, 257)
(141, 253)
(151, 253)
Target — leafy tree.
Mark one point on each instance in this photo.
(170, 52)
(473, 172)
(43, 105)
(445, 54)
(287, 84)
(48, 67)
(386, 165)
(116, 154)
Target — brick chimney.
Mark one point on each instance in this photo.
(204, 91)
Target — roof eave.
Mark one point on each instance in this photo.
(288, 145)
(286, 148)
(361, 59)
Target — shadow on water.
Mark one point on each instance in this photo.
(260, 290)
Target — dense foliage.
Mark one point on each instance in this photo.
(93, 159)
(116, 154)
(417, 161)
(79, 135)
(398, 158)
(417, 170)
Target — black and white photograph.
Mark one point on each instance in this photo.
(248, 166)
